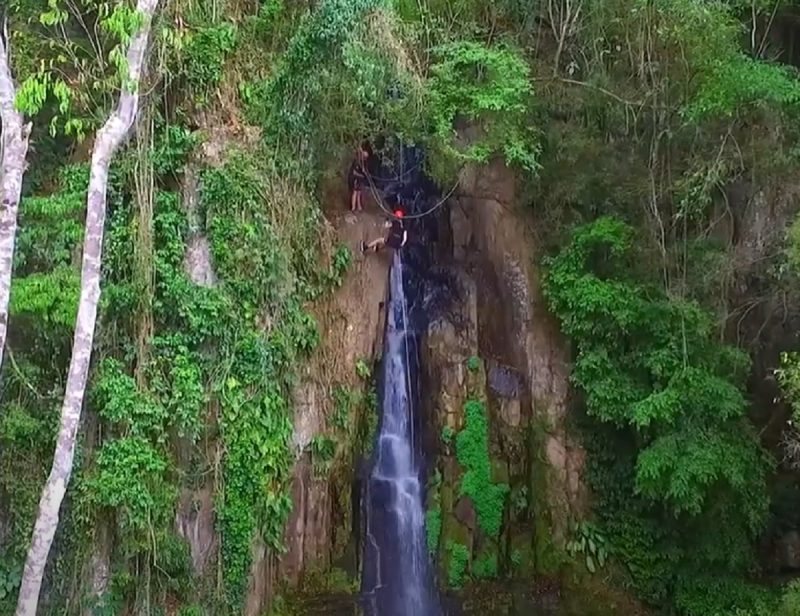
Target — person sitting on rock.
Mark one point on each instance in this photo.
(396, 238)
(357, 176)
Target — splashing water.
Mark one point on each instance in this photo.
(397, 573)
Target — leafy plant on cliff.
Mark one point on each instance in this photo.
(263, 252)
(448, 434)
(323, 451)
(490, 86)
(472, 451)
(204, 55)
(588, 540)
(485, 566)
(676, 454)
(131, 477)
(459, 561)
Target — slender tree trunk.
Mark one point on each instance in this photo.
(107, 142)
(14, 150)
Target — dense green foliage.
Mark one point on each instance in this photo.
(260, 271)
(655, 112)
(680, 476)
(485, 566)
(350, 58)
(489, 86)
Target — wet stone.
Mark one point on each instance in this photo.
(505, 381)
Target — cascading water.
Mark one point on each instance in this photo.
(397, 577)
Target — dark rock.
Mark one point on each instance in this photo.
(465, 513)
(788, 550)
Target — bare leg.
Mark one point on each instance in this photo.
(359, 200)
(375, 245)
(353, 200)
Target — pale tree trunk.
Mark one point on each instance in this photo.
(107, 142)
(563, 16)
(14, 149)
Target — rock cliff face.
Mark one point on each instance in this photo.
(496, 345)
(321, 531)
(500, 347)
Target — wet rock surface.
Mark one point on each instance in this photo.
(497, 344)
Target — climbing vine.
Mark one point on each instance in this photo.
(262, 245)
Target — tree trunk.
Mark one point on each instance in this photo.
(14, 150)
(107, 142)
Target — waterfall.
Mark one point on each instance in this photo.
(397, 578)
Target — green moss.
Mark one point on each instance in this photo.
(547, 557)
(447, 435)
(458, 561)
(472, 449)
(473, 363)
(334, 580)
(522, 556)
(485, 565)
(433, 527)
(433, 517)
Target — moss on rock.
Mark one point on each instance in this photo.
(486, 563)
(458, 556)
(472, 449)
(547, 556)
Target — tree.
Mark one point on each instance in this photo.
(108, 140)
(674, 463)
(14, 150)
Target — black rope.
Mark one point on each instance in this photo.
(379, 200)
(396, 178)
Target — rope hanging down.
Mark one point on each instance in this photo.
(379, 200)
(396, 177)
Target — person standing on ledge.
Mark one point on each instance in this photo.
(357, 176)
(396, 238)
